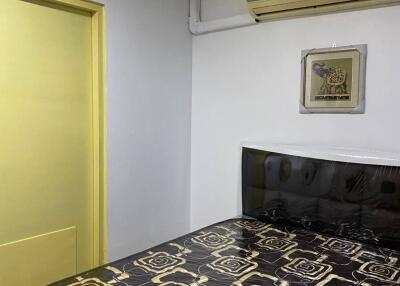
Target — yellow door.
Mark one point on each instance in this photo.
(48, 159)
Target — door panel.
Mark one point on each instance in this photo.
(57, 261)
(46, 143)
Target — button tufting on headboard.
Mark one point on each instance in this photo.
(358, 201)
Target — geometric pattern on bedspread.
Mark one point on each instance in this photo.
(247, 252)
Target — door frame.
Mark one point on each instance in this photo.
(96, 10)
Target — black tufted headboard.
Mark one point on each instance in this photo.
(353, 200)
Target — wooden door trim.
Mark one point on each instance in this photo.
(96, 10)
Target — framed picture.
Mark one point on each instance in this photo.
(333, 80)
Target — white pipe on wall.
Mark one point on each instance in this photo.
(197, 27)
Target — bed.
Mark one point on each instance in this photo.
(306, 221)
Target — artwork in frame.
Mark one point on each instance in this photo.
(333, 80)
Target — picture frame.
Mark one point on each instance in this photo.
(333, 80)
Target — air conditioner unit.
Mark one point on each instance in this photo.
(263, 10)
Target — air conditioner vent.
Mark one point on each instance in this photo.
(263, 10)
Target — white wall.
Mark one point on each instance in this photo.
(245, 87)
(148, 101)
(218, 9)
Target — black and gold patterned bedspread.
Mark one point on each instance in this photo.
(246, 252)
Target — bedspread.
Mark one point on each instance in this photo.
(249, 252)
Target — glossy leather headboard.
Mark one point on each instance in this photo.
(357, 201)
